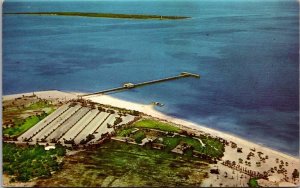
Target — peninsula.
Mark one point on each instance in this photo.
(101, 15)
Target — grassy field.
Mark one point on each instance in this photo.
(214, 147)
(105, 15)
(125, 132)
(34, 111)
(38, 105)
(211, 147)
(22, 126)
(139, 136)
(253, 182)
(153, 124)
(29, 162)
(120, 164)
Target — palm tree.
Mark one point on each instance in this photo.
(240, 160)
(295, 174)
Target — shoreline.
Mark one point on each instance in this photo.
(149, 110)
(263, 159)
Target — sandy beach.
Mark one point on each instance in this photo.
(278, 165)
(230, 153)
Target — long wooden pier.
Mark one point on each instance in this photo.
(131, 85)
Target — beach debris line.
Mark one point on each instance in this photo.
(102, 15)
(127, 86)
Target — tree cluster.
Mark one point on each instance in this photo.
(29, 162)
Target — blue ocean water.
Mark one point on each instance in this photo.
(245, 50)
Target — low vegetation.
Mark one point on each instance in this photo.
(214, 147)
(116, 164)
(253, 182)
(208, 148)
(167, 137)
(39, 105)
(153, 124)
(112, 163)
(22, 113)
(105, 15)
(125, 132)
(25, 163)
(22, 126)
(139, 136)
(170, 136)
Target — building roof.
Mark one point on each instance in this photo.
(49, 147)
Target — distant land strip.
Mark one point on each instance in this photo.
(103, 15)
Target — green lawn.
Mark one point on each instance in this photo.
(253, 182)
(29, 162)
(38, 105)
(125, 132)
(172, 142)
(139, 136)
(193, 142)
(212, 147)
(22, 126)
(117, 164)
(153, 124)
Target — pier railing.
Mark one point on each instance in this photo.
(131, 85)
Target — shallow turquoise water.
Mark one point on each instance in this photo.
(245, 51)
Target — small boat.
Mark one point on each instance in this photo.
(158, 104)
